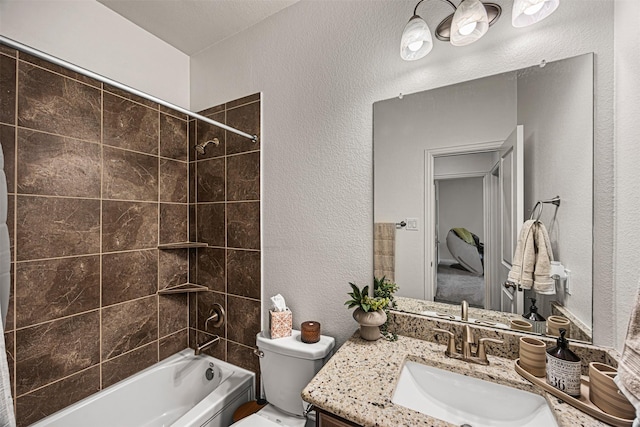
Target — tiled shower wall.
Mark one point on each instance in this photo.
(225, 213)
(97, 179)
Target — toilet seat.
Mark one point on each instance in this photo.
(269, 416)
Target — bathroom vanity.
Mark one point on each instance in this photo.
(356, 387)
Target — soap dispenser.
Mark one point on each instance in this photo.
(563, 367)
(539, 323)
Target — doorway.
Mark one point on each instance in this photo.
(460, 228)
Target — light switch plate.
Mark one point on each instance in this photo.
(412, 224)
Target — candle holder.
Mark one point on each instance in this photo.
(310, 332)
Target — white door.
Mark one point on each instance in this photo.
(511, 214)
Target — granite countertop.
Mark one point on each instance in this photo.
(357, 383)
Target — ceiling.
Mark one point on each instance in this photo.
(193, 25)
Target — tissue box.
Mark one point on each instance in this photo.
(280, 323)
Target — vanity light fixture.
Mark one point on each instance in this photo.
(469, 22)
(528, 12)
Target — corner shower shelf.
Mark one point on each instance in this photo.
(184, 245)
(184, 288)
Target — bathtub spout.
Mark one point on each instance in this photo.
(200, 348)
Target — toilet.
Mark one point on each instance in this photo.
(287, 366)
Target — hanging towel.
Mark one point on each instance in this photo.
(384, 250)
(531, 264)
(524, 257)
(543, 284)
(628, 378)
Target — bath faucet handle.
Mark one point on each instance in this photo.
(451, 341)
(218, 317)
(482, 351)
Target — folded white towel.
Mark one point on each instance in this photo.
(628, 378)
(7, 416)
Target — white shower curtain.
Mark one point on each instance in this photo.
(7, 417)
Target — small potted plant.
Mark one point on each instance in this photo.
(385, 288)
(369, 312)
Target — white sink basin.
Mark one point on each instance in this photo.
(463, 400)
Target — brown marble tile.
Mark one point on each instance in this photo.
(6, 50)
(243, 225)
(58, 166)
(129, 225)
(51, 227)
(211, 268)
(7, 90)
(173, 267)
(193, 340)
(10, 322)
(54, 350)
(173, 181)
(206, 300)
(50, 289)
(243, 273)
(192, 181)
(41, 403)
(129, 275)
(243, 320)
(56, 104)
(8, 142)
(242, 356)
(130, 125)
(173, 343)
(129, 325)
(206, 132)
(243, 177)
(212, 110)
(9, 345)
(174, 314)
(129, 175)
(191, 153)
(174, 113)
(193, 310)
(210, 224)
(193, 229)
(211, 184)
(124, 366)
(218, 350)
(173, 223)
(173, 137)
(58, 69)
(247, 119)
(11, 206)
(244, 100)
(130, 96)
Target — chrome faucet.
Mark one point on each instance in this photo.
(468, 350)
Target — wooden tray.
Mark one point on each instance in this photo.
(583, 403)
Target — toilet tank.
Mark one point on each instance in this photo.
(288, 365)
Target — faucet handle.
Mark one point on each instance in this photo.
(451, 342)
(482, 352)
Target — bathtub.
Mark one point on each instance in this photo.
(174, 392)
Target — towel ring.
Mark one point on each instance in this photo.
(540, 203)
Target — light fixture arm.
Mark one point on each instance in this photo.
(415, 10)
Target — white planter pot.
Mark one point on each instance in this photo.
(370, 323)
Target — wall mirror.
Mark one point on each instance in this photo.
(458, 169)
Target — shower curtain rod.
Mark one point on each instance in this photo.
(31, 51)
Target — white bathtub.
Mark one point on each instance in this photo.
(174, 392)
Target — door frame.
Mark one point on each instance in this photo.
(431, 264)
